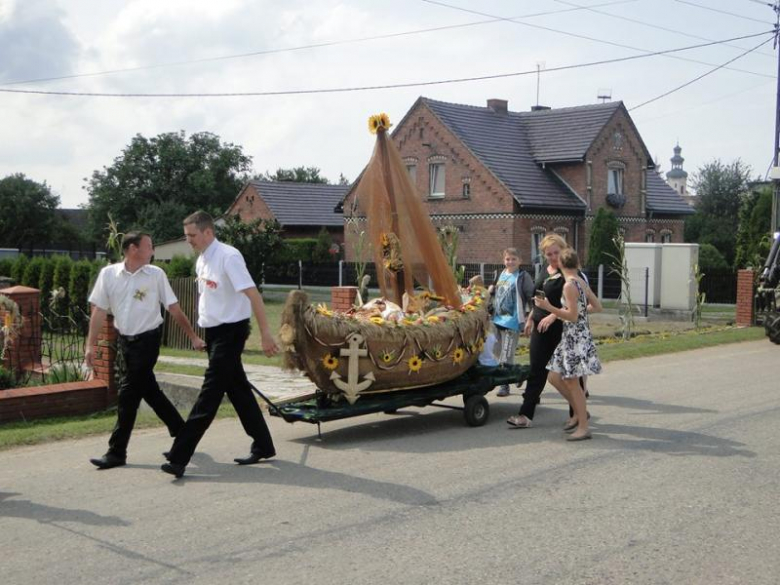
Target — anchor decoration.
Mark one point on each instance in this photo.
(352, 387)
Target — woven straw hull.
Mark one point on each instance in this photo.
(389, 357)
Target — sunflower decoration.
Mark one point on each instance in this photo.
(330, 362)
(387, 356)
(436, 352)
(476, 300)
(391, 252)
(415, 363)
(469, 307)
(458, 355)
(379, 122)
(322, 309)
(377, 320)
(433, 319)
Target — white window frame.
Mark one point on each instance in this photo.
(614, 181)
(436, 174)
(411, 168)
(536, 253)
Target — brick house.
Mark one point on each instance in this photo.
(302, 209)
(508, 178)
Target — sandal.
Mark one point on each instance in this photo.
(519, 422)
(572, 424)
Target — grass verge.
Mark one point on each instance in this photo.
(34, 432)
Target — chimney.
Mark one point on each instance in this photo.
(538, 108)
(498, 106)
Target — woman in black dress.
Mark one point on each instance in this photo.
(544, 328)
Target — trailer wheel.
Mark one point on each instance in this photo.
(476, 410)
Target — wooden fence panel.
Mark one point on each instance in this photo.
(186, 290)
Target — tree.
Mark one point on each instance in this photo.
(322, 249)
(753, 241)
(162, 179)
(27, 212)
(257, 241)
(711, 259)
(603, 247)
(295, 175)
(720, 189)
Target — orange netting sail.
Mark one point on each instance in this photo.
(404, 242)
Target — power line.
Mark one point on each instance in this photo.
(299, 48)
(702, 76)
(742, 16)
(585, 37)
(656, 26)
(378, 87)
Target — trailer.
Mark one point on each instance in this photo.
(472, 386)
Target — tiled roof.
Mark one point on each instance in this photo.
(661, 198)
(565, 134)
(500, 142)
(303, 203)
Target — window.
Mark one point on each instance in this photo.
(614, 181)
(436, 172)
(536, 239)
(466, 190)
(649, 238)
(666, 237)
(412, 170)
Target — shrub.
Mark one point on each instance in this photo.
(18, 268)
(6, 266)
(7, 379)
(602, 248)
(293, 250)
(32, 273)
(321, 250)
(180, 267)
(710, 258)
(61, 280)
(78, 287)
(65, 372)
(46, 279)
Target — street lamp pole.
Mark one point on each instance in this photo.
(775, 175)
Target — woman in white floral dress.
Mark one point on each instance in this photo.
(576, 354)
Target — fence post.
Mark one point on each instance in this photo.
(341, 269)
(647, 286)
(601, 282)
(300, 274)
(482, 271)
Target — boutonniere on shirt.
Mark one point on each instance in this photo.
(209, 283)
(140, 294)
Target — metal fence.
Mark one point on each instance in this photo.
(186, 290)
(720, 286)
(50, 351)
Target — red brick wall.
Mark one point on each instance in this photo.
(342, 298)
(68, 399)
(24, 349)
(745, 296)
(105, 358)
(250, 206)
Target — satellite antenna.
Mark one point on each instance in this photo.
(604, 94)
(539, 66)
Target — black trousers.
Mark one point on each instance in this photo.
(225, 374)
(542, 347)
(140, 354)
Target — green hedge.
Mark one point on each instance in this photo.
(180, 267)
(46, 279)
(6, 266)
(32, 273)
(18, 268)
(295, 249)
(78, 286)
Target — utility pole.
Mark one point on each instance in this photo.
(775, 174)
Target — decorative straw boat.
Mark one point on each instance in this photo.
(360, 352)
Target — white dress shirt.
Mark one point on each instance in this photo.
(134, 298)
(222, 275)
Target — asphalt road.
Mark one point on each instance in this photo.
(681, 484)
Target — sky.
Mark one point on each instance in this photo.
(233, 46)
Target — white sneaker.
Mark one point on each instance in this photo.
(503, 391)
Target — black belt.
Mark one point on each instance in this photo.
(224, 326)
(143, 335)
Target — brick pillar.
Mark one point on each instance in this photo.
(342, 298)
(24, 349)
(105, 358)
(745, 298)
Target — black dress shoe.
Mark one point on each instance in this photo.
(253, 458)
(173, 469)
(108, 461)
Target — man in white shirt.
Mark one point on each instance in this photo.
(134, 290)
(228, 298)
